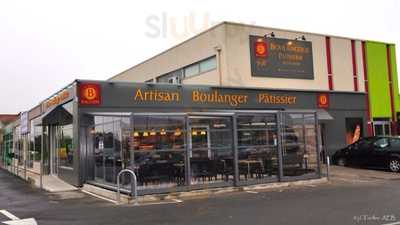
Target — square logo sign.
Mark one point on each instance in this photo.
(323, 101)
(89, 94)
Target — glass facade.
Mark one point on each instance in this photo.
(210, 149)
(7, 148)
(299, 144)
(65, 149)
(110, 136)
(159, 150)
(257, 146)
(174, 151)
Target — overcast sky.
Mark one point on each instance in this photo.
(44, 45)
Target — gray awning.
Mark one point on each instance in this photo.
(322, 114)
(58, 116)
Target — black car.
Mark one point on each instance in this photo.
(372, 152)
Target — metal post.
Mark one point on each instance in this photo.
(26, 152)
(235, 151)
(41, 157)
(133, 185)
(328, 164)
(280, 148)
(25, 169)
(318, 143)
(188, 176)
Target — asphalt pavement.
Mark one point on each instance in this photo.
(341, 202)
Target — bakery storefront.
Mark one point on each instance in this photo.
(183, 137)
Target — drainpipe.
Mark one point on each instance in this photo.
(218, 49)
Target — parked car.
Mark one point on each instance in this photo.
(372, 152)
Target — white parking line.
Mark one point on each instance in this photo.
(100, 197)
(252, 192)
(395, 223)
(8, 215)
(15, 220)
(177, 200)
(29, 221)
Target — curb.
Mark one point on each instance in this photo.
(110, 196)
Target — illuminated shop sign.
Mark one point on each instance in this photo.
(281, 58)
(213, 97)
(323, 101)
(192, 97)
(60, 98)
(157, 96)
(89, 94)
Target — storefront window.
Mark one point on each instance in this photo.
(7, 150)
(299, 146)
(166, 149)
(37, 143)
(110, 136)
(159, 145)
(18, 147)
(210, 149)
(65, 151)
(258, 146)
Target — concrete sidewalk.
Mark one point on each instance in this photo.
(50, 183)
(196, 194)
(358, 174)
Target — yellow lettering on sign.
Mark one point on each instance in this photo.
(156, 96)
(57, 99)
(265, 98)
(216, 97)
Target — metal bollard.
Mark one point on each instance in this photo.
(133, 185)
(328, 164)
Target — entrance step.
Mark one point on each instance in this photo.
(105, 194)
(52, 183)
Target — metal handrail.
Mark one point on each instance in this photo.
(133, 185)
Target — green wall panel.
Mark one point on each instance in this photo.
(395, 79)
(378, 82)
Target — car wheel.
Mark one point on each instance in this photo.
(394, 165)
(341, 162)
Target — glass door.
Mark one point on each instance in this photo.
(210, 149)
(382, 128)
(200, 139)
(257, 147)
(54, 134)
(111, 148)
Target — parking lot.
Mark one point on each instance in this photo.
(352, 196)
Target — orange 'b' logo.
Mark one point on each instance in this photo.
(90, 93)
(260, 48)
(323, 100)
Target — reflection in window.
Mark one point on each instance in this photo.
(110, 135)
(37, 143)
(159, 144)
(192, 70)
(257, 142)
(299, 146)
(208, 64)
(65, 151)
(211, 154)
